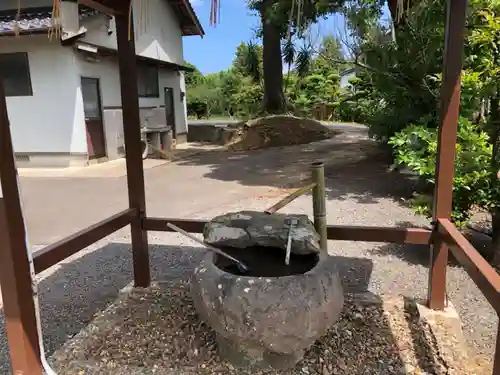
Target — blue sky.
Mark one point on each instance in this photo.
(215, 51)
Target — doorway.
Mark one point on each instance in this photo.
(92, 107)
(170, 109)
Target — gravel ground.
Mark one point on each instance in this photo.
(360, 192)
(157, 331)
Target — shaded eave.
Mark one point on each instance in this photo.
(109, 52)
(188, 20)
(190, 24)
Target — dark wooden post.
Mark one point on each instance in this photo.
(133, 149)
(15, 276)
(445, 164)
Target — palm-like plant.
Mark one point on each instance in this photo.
(303, 61)
(253, 62)
(288, 58)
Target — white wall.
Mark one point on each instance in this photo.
(345, 78)
(183, 105)
(157, 31)
(106, 69)
(52, 119)
(172, 79)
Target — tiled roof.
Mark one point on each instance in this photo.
(33, 20)
(28, 21)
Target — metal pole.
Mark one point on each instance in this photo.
(319, 203)
(445, 165)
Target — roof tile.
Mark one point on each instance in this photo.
(33, 20)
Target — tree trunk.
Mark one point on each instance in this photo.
(274, 98)
(400, 19)
(495, 168)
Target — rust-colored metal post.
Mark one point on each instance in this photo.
(133, 150)
(15, 276)
(445, 164)
(496, 360)
(319, 203)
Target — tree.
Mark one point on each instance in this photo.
(484, 52)
(329, 55)
(193, 78)
(398, 91)
(277, 20)
(400, 77)
(238, 91)
(248, 60)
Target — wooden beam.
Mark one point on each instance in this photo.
(334, 232)
(15, 274)
(479, 270)
(445, 164)
(56, 252)
(133, 146)
(416, 236)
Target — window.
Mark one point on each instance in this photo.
(15, 73)
(147, 80)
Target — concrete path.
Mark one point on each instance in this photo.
(360, 191)
(57, 207)
(113, 168)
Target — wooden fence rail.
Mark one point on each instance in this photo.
(57, 252)
(480, 271)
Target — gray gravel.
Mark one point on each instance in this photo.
(360, 192)
(118, 341)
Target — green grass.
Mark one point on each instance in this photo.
(213, 118)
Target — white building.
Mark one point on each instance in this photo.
(63, 92)
(345, 76)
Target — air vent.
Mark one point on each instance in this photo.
(23, 158)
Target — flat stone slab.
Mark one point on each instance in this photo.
(245, 229)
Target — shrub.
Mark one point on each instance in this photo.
(416, 148)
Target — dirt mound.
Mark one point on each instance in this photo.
(275, 131)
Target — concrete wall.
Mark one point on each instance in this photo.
(52, 119)
(157, 31)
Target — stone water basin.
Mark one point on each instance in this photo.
(270, 315)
